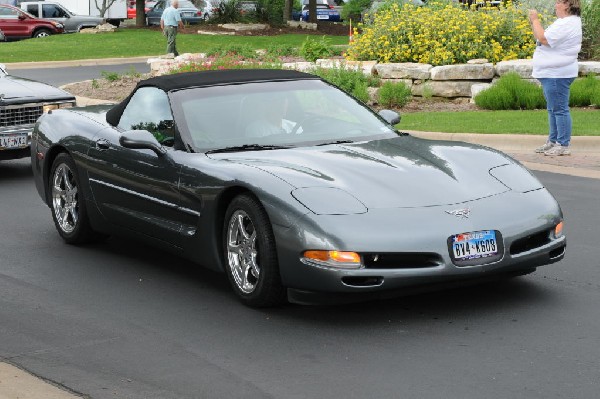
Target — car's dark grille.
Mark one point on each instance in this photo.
(530, 242)
(14, 116)
(407, 260)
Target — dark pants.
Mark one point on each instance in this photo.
(171, 34)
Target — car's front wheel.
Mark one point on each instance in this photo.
(42, 33)
(250, 253)
(66, 201)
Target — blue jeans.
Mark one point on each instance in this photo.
(556, 92)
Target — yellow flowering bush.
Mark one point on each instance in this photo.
(444, 33)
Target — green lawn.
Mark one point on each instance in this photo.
(585, 122)
(133, 42)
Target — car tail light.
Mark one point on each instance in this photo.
(199, 13)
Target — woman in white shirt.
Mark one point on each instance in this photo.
(555, 66)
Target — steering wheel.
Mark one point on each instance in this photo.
(307, 121)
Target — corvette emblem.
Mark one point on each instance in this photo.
(460, 213)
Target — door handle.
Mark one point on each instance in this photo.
(102, 144)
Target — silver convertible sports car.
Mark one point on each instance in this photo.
(292, 188)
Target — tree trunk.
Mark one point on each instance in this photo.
(287, 10)
(140, 13)
(312, 10)
(104, 5)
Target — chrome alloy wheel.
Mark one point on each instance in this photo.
(242, 253)
(65, 199)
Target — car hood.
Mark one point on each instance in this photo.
(398, 172)
(19, 90)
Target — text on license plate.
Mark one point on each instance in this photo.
(13, 141)
(477, 244)
(322, 16)
(187, 14)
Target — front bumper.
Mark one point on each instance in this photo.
(420, 231)
(16, 152)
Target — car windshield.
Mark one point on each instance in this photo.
(281, 114)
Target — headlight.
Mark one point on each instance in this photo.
(66, 105)
(49, 107)
(338, 259)
(59, 25)
(558, 230)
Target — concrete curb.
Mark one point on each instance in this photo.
(512, 142)
(16, 383)
(74, 63)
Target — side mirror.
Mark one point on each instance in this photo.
(21, 17)
(141, 140)
(391, 117)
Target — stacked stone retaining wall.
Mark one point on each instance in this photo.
(449, 81)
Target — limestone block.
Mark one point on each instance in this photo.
(244, 27)
(403, 70)
(522, 67)
(478, 61)
(463, 72)
(444, 88)
(589, 67)
(304, 66)
(478, 88)
(302, 25)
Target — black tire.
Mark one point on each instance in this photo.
(68, 206)
(41, 33)
(250, 254)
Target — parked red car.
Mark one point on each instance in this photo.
(131, 8)
(17, 24)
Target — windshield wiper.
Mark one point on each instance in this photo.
(337, 142)
(247, 147)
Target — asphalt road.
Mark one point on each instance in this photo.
(121, 320)
(61, 76)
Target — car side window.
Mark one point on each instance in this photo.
(52, 11)
(149, 110)
(33, 9)
(8, 13)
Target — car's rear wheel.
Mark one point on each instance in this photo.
(250, 254)
(66, 201)
(42, 33)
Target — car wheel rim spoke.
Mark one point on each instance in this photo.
(64, 199)
(242, 253)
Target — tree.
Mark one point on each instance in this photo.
(287, 10)
(312, 10)
(104, 5)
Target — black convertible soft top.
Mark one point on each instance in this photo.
(207, 78)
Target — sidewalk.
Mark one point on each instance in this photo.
(18, 384)
(584, 160)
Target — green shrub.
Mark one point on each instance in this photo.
(583, 91)
(110, 76)
(353, 82)
(270, 11)
(313, 49)
(590, 15)
(354, 8)
(511, 92)
(227, 11)
(394, 94)
(595, 99)
(282, 50)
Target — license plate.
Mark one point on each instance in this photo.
(187, 14)
(323, 16)
(13, 141)
(474, 245)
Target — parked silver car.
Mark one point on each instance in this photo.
(57, 12)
